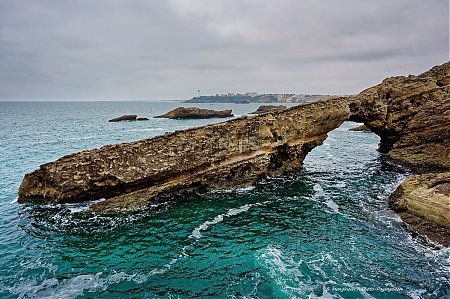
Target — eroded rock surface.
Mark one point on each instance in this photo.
(269, 108)
(362, 128)
(412, 117)
(423, 201)
(195, 113)
(225, 155)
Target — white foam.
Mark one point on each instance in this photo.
(245, 189)
(232, 212)
(319, 190)
(205, 225)
(80, 207)
(341, 185)
(287, 274)
(196, 233)
(68, 288)
(231, 190)
(332, 205)
(75, 286)
(320, 193)
(146, 129)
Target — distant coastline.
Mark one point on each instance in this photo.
(253, 97)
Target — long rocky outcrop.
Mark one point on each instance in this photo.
(268, 109)
(195, 113)
(224, 155)
(410, 114)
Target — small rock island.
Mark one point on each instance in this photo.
(195, 113)
(128, 117)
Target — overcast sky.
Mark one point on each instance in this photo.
(168, 49)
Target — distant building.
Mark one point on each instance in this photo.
(251, 94)
(283, 97)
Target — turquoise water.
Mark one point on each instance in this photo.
(325, 232)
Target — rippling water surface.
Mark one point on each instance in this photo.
(325, 232)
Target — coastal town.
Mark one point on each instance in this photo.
(254, 97)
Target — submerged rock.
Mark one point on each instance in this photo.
(195, 113)
(423, 201)
(269, 108)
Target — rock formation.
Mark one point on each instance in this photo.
(412, 117)
(423, 201)
(195, 113)
(410, 114)
(224, 155)
(269, 108)
(130, 117)
(362, 128)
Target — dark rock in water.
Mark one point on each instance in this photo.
(130, 117)
(362, 128)
(124, 118)
(195, 113)
(269, 108)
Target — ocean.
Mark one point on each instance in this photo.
(323, 232)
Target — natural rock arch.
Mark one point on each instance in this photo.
(410, 114)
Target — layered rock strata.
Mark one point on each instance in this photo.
(412, 117)
(423, 201)
(224, 155)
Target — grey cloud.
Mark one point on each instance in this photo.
(122, 49)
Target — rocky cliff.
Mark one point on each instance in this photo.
(412, 117)
(423, 202)
(410, 114)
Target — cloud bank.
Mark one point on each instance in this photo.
(168, 49)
